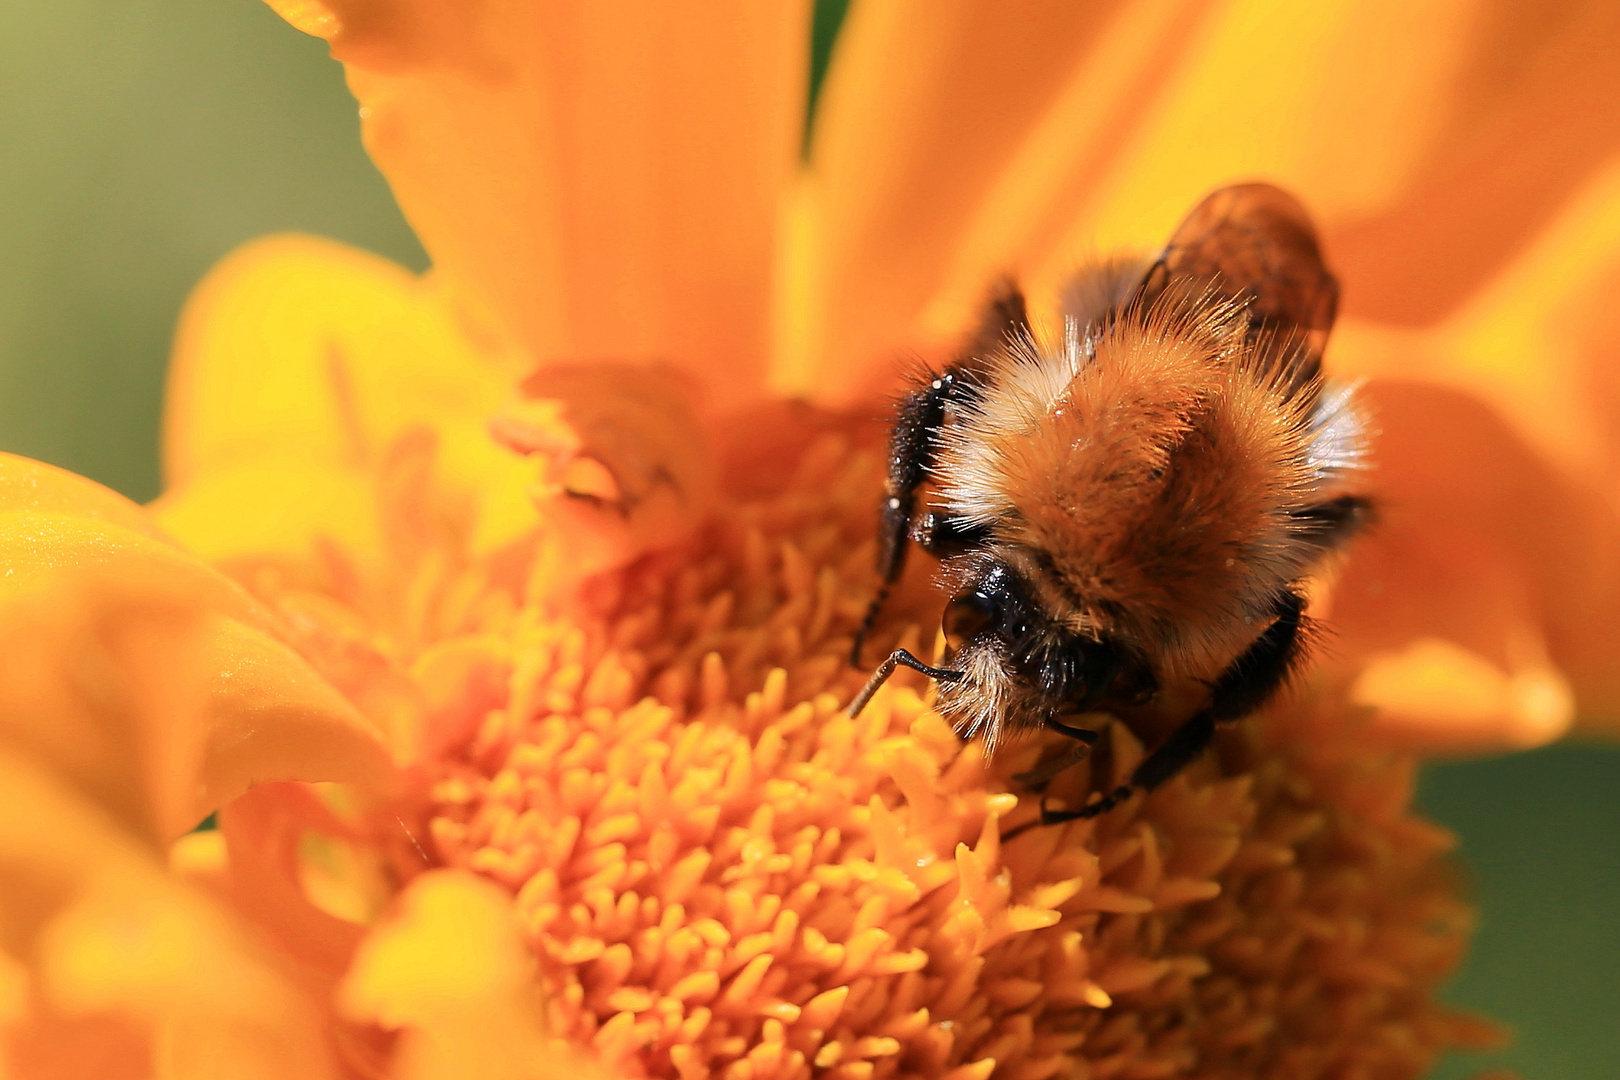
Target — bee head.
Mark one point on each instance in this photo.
(1022, 661)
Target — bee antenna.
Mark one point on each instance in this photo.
(898, 658)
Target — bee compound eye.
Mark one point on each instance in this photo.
(967, 615)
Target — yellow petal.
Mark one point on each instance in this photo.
(132, 966)
(310, 16)
(1484, 545)
(294, 344)
(1437, 696)
(302, 353)
(602, 176)
(282, 508)
(450, 972)
(26, 484)
(52, 521)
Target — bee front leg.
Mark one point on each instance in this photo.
(914, 444)
(1085, 736)
(1075, 752)
(912, 449)
(1243, 687)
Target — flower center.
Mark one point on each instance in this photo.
(722, 874)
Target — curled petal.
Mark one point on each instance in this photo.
(263, 831)
(151, 682)
(270, 717)
(620, 455)
(120, 966)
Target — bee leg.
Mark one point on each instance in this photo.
(1245, 686)
(914, 442)
(898, 658)
(1075, 752)
(1079, 735)
(912, 449)
(1174, 754)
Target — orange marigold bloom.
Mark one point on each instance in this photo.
(517, 690)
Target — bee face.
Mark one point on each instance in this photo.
(1023, 664)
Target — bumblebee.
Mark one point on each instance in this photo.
(1139, 501)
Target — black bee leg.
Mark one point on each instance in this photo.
(914, 443)
(1079, 735)
(1242, 688)
(1084, 739)
(911, 455)
(898, 658)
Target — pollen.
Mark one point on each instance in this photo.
(722, 875)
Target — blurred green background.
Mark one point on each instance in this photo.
(140, 140)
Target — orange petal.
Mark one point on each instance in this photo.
(1485, 547)
(449, 971)
(264, 832)
(26, 484)
(270, 717)
(924, 106)
(1501, 477)
(604, 177)
(1537, 341)
(1436, 696)
(135, 969)
(1341, 103)
(1508, 152)
(1431, 141)
(298, 356)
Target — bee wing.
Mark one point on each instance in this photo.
(1255, 243)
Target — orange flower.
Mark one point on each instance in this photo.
(526, 749)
